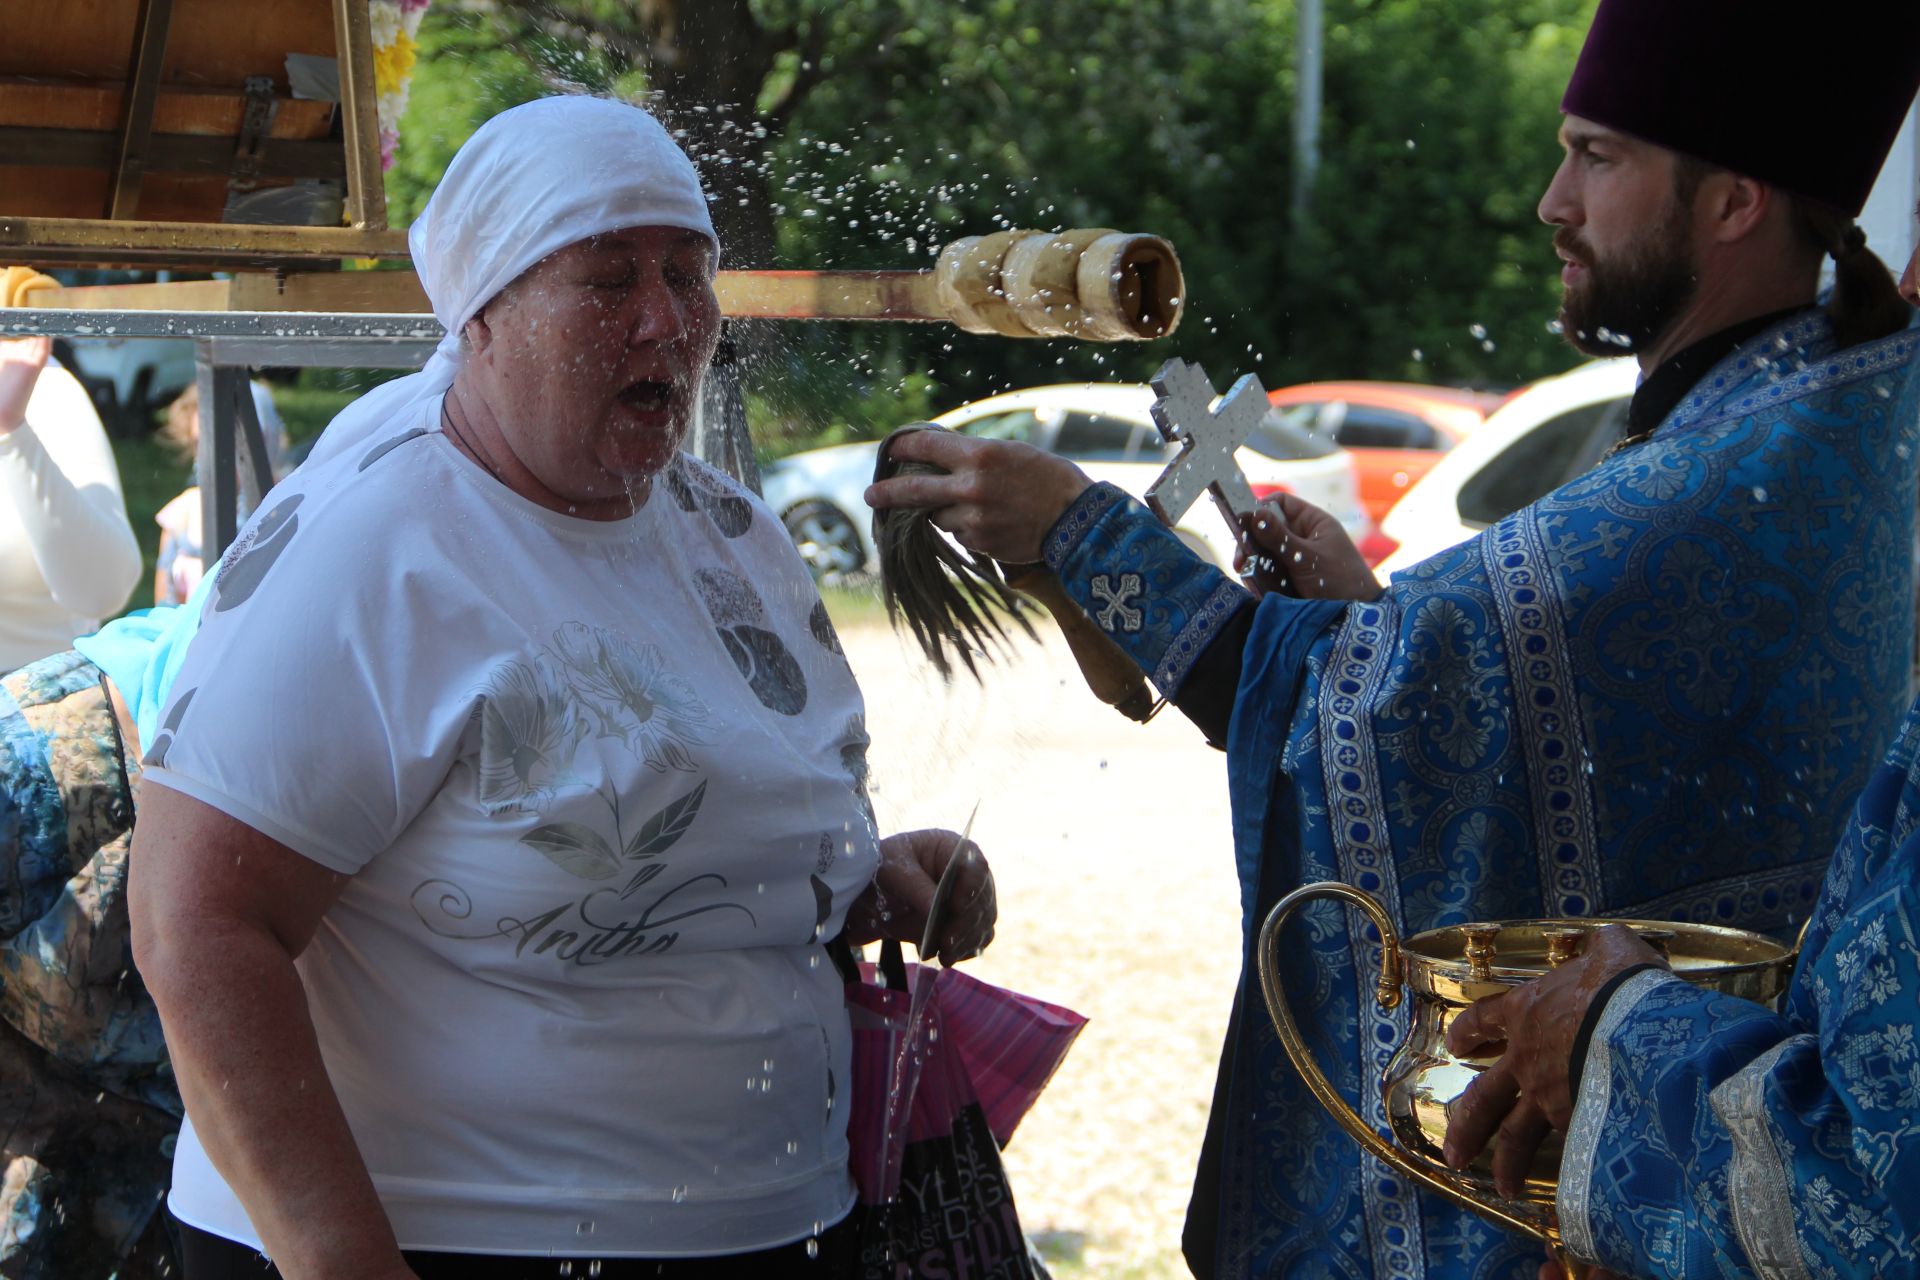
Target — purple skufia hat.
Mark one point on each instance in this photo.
(1806, 97)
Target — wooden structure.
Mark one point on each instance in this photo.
(129, 130)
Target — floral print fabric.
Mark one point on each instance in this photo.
(88, 1108)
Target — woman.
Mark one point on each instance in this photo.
(67, 554)
(512, 786)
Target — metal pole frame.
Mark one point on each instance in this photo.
(228, 345)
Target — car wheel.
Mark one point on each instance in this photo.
(828, 541)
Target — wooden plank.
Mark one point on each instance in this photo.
(778, 295)
(376, 292)
(176, 295)
(180, 109)
(68, 37)
(168, 153)
(361, 292)
(86, 242)
(829, 295)
(215, 42)
(136, 125)
(366, 188)
(57, 193)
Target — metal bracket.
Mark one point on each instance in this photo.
(256, 127)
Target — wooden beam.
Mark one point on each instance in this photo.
(175, 295)
(136, 126)
(378, 292)
(91, 243)
(768, 295)
(360, 120)
(201, 109)
(182, 154)
(829, 295)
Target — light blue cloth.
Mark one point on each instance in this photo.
(1713, 1137)
(1655, 692)
(142, 652)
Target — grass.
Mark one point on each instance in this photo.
(150, 476)
(307, 409)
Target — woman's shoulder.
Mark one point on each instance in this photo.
(707, 494)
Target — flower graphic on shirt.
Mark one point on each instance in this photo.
(629, 691)
(529, 731)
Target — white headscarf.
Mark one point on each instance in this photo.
(534, 179)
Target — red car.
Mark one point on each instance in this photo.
(1395, 431)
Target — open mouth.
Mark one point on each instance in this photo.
(649, 395)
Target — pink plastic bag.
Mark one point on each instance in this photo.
(944, 1068)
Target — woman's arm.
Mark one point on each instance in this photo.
(57, 471)
(219, 914)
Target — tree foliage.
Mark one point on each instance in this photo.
(870, 132)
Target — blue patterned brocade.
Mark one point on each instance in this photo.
(1655, 692)
(1713, 1137)
(1140, 584)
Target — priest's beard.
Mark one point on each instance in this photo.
(1627, 302)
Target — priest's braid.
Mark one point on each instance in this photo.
(1866, 303)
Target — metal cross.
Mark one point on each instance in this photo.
(1208, 436)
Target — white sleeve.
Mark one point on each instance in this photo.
(57, 471)
(313, 704)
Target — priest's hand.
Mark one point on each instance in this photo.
(1294, 548)
(1528, 1092)
(999, 497)
(21, 362)
(896, 904)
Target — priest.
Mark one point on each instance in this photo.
(1805, 1158)
(1652, 693)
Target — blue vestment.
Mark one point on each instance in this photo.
(1654, 692)
(1713, 1137)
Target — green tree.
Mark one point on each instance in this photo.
(870, 132)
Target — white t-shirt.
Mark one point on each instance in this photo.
(600, 788)
(67, 554)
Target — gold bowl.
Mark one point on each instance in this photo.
(1447, 969)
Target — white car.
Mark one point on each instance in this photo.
(1105, 428)
(1544, 437)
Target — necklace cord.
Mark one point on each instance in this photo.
(466, 446)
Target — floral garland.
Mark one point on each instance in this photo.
(396, 26)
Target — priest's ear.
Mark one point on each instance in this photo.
(1730, 208)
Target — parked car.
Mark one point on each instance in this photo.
(1549, 434)
(1106, 428)
(1396, 431)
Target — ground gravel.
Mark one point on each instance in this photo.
(1111, 849)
